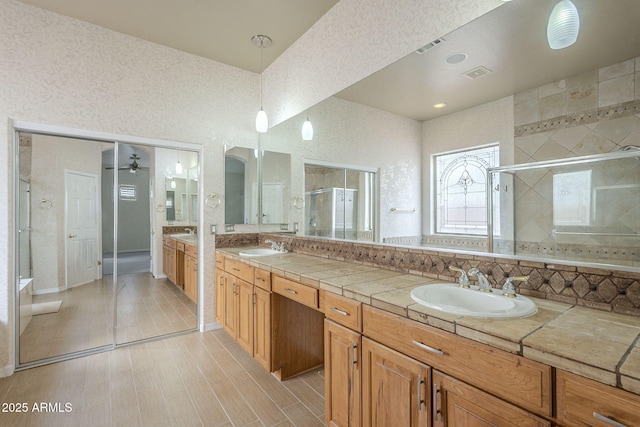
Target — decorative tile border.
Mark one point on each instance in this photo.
(621, 110)
(177, 229)
(599, 288)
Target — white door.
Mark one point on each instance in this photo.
(81, 227)
(272, 195)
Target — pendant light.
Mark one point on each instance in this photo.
(262, 121)
(563, 26)
(307, 130)
(179, 165)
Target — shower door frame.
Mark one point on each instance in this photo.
(17, 126)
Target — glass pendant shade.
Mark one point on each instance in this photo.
(262, 122)
(179, 168)
(307, 130)
(173, 183)
(563, 26)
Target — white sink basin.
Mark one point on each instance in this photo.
(450, 298)
(260, 252)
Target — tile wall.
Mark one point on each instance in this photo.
(594, 112)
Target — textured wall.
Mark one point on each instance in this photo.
(59, 71)
(353, 40)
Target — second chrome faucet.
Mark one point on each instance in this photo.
(483, 283)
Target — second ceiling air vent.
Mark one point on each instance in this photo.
(477, 72)
(431, 45)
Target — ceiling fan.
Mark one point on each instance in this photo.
(132, 167)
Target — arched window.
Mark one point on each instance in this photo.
(461, 186)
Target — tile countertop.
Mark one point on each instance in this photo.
(596, 344)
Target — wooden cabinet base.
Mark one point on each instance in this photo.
(297, 343)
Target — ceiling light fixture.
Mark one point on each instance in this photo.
(440, 105)
(179, 165)
(307, 130)
(455, 58)
(563, 26)
(262, 121)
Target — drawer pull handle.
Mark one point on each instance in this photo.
(235, 269)
(426, 347)
(291, 291)
(420, 401)
(337, 310)
(434, 402)
(608, 420)
(260, 279)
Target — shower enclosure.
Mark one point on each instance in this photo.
(584, 209)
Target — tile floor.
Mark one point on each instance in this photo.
(195, 379)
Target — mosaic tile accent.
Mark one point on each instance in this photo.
(236, 240)
(598, 288)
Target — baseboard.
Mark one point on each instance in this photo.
(7, 371)
(48, 291)
(211, 327)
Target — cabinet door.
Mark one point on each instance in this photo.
(262, 328)
(231, 305)
(342, 359)
(191, 278)
(220, 288)
(583, 402)
(245, 315)
(458, 404)
(395, 388)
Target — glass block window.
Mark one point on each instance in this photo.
(461, 190)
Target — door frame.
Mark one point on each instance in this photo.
(17, 126)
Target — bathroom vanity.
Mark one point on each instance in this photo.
(180, 262)
(387, 358)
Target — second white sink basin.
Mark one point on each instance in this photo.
(450, 298)
(260, 252)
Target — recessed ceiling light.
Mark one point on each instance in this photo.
(456, 58)
(440, 105)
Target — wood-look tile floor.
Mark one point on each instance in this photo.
(195, 379)
(147, 308)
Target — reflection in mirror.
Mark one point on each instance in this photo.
(180, 184)
(339, 203)
(65, 300)
(75, 247)
(276, 187)
(241, 186)
(535, 103)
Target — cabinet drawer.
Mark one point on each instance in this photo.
(295, 291)
(344, 311)
(192, 251)
(180, 246)
(580, 401)
(220, 261)
(263, 279)
(169, 242)
(239, 269)
(508, 376)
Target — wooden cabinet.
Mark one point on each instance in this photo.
(169, 258)
(342, 368)
(191, 273)
(511, 377)
(220, 295)
(262, 327)
(395, 388)
(458, 404)
(583, 402)
(244, 313)
(295, 291)
(230, 318)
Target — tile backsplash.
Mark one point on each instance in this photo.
(599, 288)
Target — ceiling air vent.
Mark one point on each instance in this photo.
(477, 72)
(431, 45)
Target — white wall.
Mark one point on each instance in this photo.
(59, 71)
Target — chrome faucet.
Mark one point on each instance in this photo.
(189, 230)
(463, 280)
(275, 246)
(509, 289)
(483, 283)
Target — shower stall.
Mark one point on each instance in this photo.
(584, 209)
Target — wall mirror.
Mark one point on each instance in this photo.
(89, 225)
(500, 84)
(181, 189)
(241, 185)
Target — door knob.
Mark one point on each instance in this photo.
(71, 236)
